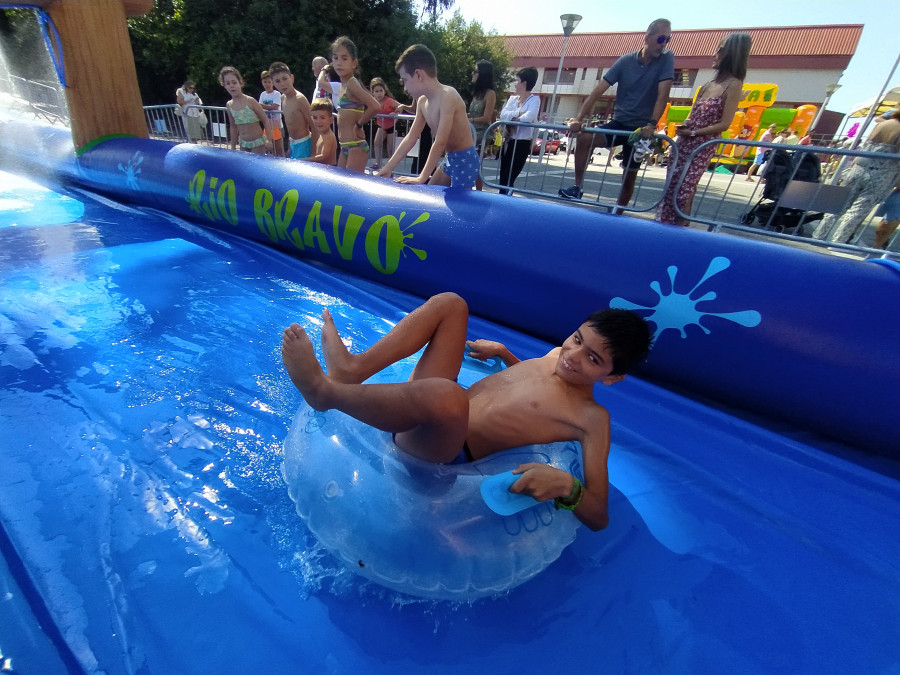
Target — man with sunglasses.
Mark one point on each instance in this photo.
(644, 79)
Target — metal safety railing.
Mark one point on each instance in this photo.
(795, 199)
(171, 123)
(725, 201)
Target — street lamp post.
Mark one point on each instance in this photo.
(569, 22)
(829, 91)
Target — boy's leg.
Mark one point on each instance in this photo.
(439, 325)
(428, 416)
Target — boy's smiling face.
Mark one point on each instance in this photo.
(585, 359)
(268, 85)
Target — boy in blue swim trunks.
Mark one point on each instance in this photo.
(441, 107)
(541, 400)
(295, 108)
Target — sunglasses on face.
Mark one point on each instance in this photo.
(663, 39)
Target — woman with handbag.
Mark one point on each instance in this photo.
(194, 118)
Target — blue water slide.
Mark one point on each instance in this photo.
(787, 333)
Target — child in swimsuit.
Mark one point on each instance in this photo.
(443, 110)
(247, 113)
(295, 110)
(385, 124)
(322, 116)
(356, 107)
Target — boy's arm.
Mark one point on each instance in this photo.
(329, 150)
(232, 127)
(545, 482)
(261, 115)
(306, 112)
(488, 349)
(415, 130)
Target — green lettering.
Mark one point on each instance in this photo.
(195, 191)
(262, 202)
(393, 244)
(350, 231)
(285, 209)
(227, 202)
(314, 231)
(753, 95)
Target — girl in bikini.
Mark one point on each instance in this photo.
(248, 115)
(356, 107)
(712, 113)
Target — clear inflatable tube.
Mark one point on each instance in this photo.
(413, 526)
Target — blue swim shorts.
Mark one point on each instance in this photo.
(890, 207)
(462, 167)
(301, 149)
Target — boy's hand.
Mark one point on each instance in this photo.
(484, 349)
(411, 180)
(542, 482)
(384, 173)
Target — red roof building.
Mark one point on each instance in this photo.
(801, 60)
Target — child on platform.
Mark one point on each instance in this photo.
(246, 115)
(356, 106)
(295, 108)
(441, 107)
(270, 100)
(322, 116)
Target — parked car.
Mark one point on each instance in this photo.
(551, 138)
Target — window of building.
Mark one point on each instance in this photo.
(684, 77)
(566, 76)
(599, 73)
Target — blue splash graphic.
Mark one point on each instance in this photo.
(679, 310)
(132, 169)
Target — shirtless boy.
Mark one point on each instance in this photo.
(539, 400)
(442, 108)
(322, 112)
(295, 109)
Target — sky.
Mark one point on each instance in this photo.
(868, 71)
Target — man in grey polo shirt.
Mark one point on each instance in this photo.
(644, 79)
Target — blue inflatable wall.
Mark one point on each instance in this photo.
(787, 333)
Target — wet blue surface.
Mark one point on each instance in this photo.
(142, 411)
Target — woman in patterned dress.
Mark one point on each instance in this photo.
(712, 113)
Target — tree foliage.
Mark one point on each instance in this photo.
(458, 46)
(193, 39)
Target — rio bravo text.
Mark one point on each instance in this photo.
(327, 229)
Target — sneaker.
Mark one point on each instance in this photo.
(573, 192)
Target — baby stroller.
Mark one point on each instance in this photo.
(780, 170)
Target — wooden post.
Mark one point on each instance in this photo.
(101, 81)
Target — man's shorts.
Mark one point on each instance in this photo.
(301, 149)
(890, 207)
(612, 140)
(462, 167)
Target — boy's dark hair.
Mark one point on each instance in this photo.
(627, 335)
(279, 67)
(417, 57)
(529, 76)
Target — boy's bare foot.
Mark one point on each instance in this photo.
(338, 360)
(301, 364)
